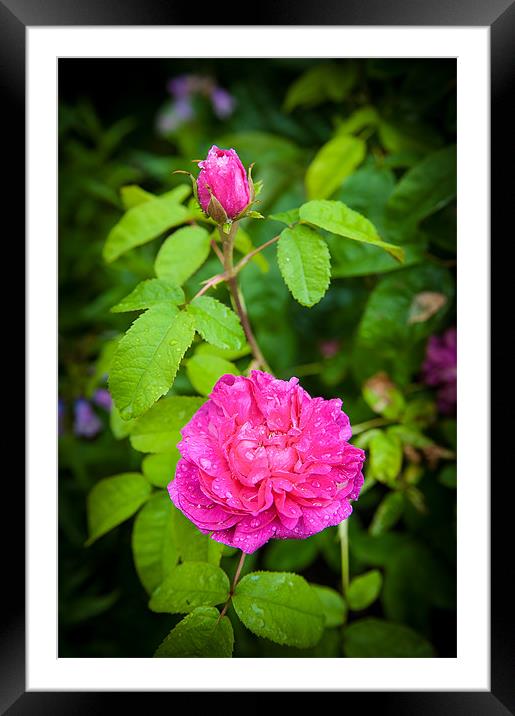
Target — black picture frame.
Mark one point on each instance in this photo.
(499, 15)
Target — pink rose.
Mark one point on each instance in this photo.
(223, 176)
(261, 459)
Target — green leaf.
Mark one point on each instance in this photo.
(153, 547)
(158, 430)
(192, 545)
(217, 323)
(290, 554)
(190, 585)
(387, 514)
(119, 427)
(350, 258)
(142, 223)
(334, 607)
(132, 195)
(364, 589)
(333, 162)
(409, 435)
(113, 500)
(102, 365)
(408, 137)
(305, 265)
(383, 396)
(205, 370)
(182, 254)
(148, 357)
(159, 469)
(402, 160)
(385, 460)
(206, 349)
(377, 638)
(179, 193)
(367, 191)
(281, 607)
(322, 82)
(200, 634)
(420, 413)
(150, 293)
(290, 217)
(427, 187)
(336, 217)
(358, 120)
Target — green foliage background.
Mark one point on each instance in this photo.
(377, 135)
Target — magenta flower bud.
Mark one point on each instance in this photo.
(222, 185)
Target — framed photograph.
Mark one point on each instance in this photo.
(258, 307)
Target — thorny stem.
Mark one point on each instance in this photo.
(233, 585)
(217, 251)
(232, 283)
(244, 261)
(214, 281)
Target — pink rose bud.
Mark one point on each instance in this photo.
(222, 185)
(262, 459)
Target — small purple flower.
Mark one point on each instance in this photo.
(86, 424)
(183, 109)
(223, 103)
(447, 397)
(102, 398)
(179, 86)
(175, 115)
(439, 368)
(60, 416)
(183, 88)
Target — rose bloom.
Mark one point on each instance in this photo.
(262, 459)
(223, 175)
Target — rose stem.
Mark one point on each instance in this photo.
(217, 251)
(343, 532)
(253, 253)
(214, 281)
(232, 282)
(234, 583)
